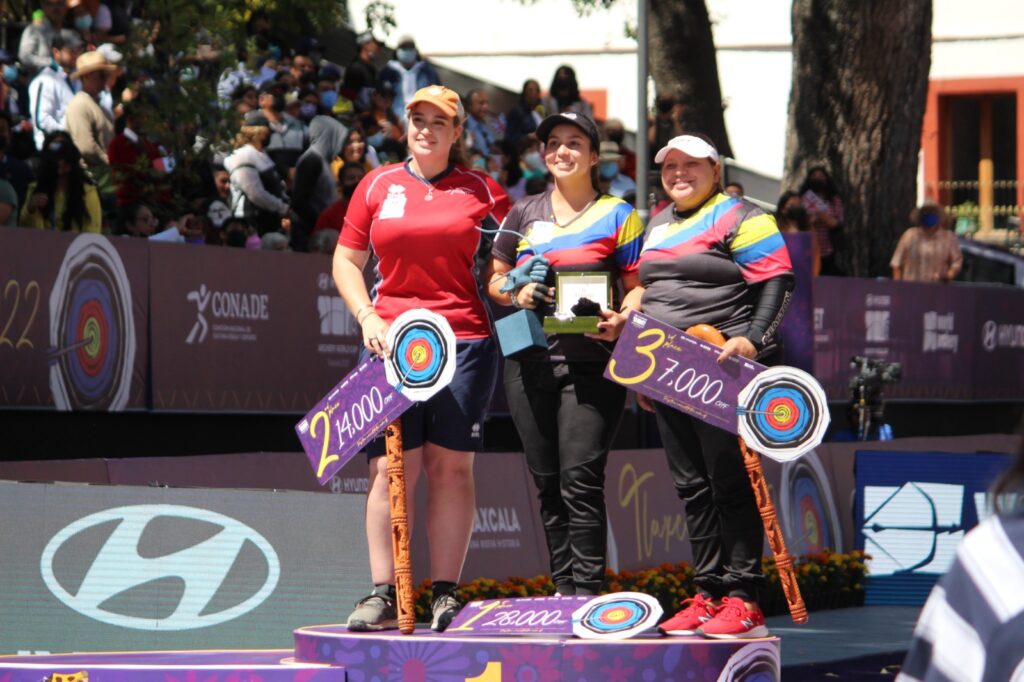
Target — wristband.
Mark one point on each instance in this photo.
(359, 313)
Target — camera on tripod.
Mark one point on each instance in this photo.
(865, 408)
(872, 375)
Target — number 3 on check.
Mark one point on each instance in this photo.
(644, 350)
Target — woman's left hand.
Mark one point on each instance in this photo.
(610, 326)
(737, 345)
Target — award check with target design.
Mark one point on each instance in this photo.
(781, 412)
(377, 392)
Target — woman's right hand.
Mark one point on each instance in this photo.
(375, 331)
(38, 201)
(534, 293)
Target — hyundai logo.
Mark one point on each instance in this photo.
(189, 579)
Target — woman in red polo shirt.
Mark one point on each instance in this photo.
(421, 218)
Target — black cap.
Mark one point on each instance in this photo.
(581, 121)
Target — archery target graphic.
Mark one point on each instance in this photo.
(807, 509)
(422, 358)
(757, 662)
(92, 329)
(784, 413)
(616, 616)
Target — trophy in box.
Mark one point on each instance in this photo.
(579, 299)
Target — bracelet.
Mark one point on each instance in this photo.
(515, 300)
(359, 313)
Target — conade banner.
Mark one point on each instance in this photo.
(95, 323)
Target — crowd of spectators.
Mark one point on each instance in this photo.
(79, 151)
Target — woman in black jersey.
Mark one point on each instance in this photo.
(565, 411)
(720, 260)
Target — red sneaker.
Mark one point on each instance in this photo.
(696, 611)
(734, 620)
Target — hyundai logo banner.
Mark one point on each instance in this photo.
(122, 568)
(912, 511)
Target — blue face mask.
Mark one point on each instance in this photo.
(608, 170)
(328, 98)
(406, 55)
(10, 73)
(375, 140)
(930, 220)
(307, 110)
(83, 22)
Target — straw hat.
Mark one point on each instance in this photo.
(90, 62)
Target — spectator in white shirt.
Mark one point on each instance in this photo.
(50, 92)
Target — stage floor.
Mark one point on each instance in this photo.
(329, 653)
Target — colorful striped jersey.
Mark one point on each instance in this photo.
(705, 266)
(605, 237)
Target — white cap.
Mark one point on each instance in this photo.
(110, 52)
(688, 144)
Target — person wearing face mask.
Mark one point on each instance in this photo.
(333, 217)
(791, 216)
(91, 19)
(927, 252)
(309, 106)
(825, 210)
(407, 73)
(609, 171)
(564, 94)
(315, 186)
(287, 134)
(361, 74)
(532, 171)
(327, 82)
(615, 132)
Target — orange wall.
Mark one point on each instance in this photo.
(934, 117)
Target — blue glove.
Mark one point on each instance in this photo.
(535, 269)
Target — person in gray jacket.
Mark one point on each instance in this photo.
(315, 185)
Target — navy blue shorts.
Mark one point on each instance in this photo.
(454, 418)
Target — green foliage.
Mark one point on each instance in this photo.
(380, 17)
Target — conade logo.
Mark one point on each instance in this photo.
(201, 570)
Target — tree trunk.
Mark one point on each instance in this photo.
(860, 79)
(684, 64)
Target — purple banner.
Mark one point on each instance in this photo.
(797, 330)
(348, 418)
(953, 342)
(674, 368)
(521, 616)
(74, 321)
(249, 331)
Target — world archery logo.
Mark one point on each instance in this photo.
(913, 528)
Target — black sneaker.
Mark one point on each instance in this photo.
(375, 612)
(445, 608)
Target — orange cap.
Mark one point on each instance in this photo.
(441, 97)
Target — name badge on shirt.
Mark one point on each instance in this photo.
(394, 204)
(541, 232)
